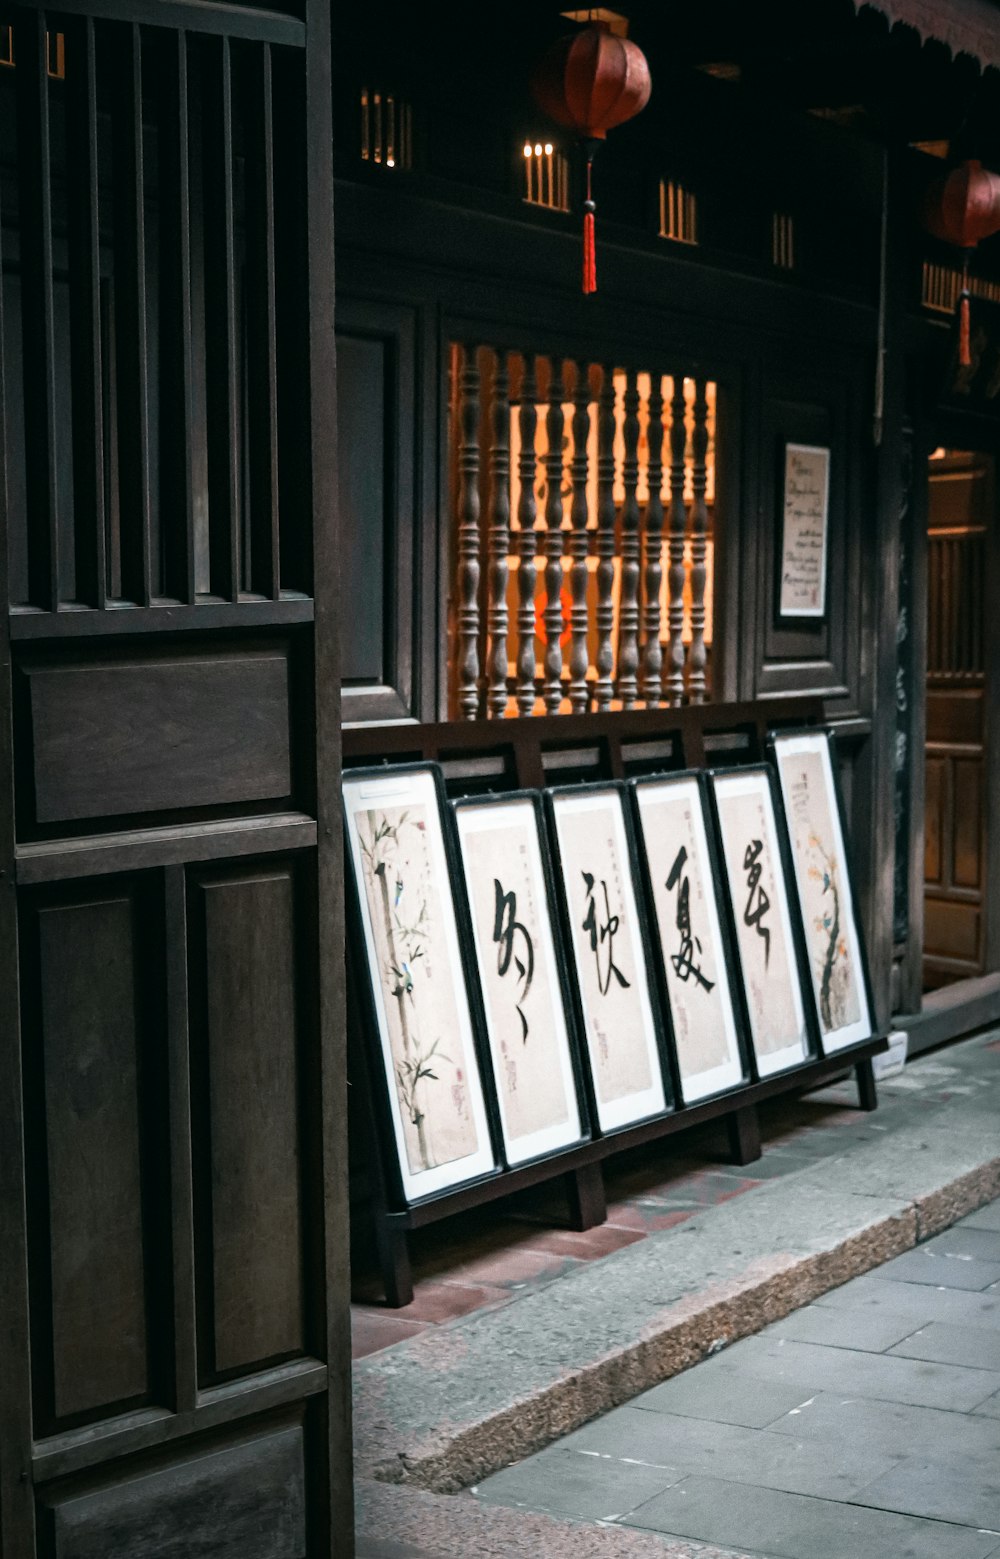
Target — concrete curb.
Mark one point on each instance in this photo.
(449, 1407)
(391, 1518)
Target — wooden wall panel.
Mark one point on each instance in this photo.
(158, 735)
(90, 1284)
(819, 655)
(380, 572)
(248, 1021)
(244, 1501)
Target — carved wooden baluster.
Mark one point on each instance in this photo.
(468, 536)
(628, 609)
(605, 613)
(553, 458)
(678, 533)
(526, 571)
(499, 539)
(652, 664)
(579, 659)
(699, 543)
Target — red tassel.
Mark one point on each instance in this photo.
(589, 244)
(964, 352)
(589, 254)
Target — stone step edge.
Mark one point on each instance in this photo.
(691, 1330)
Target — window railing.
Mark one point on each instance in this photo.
(582, 502)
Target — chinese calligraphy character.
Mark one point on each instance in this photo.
(602, 937)
(684, 959)
(506, 930)
(754, 913)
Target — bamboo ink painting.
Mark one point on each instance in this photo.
(609, 960)
(805, 774)
(751, 853)
(526, 1022)
(414, 964)
(674, 840)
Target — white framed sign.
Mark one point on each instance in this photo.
(608, 957)
(765, 938)
(819, 854)
(412, 957)
(520, 978)
(804, 531)
(674, 841)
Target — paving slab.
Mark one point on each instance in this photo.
(873, 1293)
(796, 1526)
(944, 1271)
(894, 1427)
(828, 1469)
(968, 1345)
(768, 1363)
(867, 1328)
(566, 1483)
(965, 1490)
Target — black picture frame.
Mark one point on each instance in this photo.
(660, 1049)
(367, 1013)
(563, 988)
(825, 733)
(726, 964)
(784, 875)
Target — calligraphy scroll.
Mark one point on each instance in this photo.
(526, 1025)
(608, 956)
(802, 590)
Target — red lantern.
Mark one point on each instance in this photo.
(963, 207)
(590, 81)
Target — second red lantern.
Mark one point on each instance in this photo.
(963, 207)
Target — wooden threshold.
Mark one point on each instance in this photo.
(951, 1012)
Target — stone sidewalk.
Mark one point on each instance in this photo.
(868, 1423)
(445, 1409)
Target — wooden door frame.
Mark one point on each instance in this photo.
(965, 1004)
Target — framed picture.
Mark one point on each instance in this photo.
(521, 976)
(756, 876)
(417, 1002)
(682, 880)
(595, 865)
(804, 526)
(834, 945)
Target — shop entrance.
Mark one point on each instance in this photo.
(961, 525)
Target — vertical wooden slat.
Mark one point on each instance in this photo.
(177, 412)
(222, 334)
(182, 1189)
(678, 534)
(499, 537)
(652, 656)
(697, 661)
(553, 462)
(579, 546)
(605, 613)
(468, 536)
(130, 324)
(262, 384)
(85, 313)
(38, 323)
(628, 609)
(526, 516)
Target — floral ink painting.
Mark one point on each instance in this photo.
(519, 976)
(675, 841)
(818, 850)
(415, 967)
(764, 938)
(608, 957)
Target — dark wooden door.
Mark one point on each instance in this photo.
(956, 764)
(172, 1179)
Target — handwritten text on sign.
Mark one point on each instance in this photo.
(803, 545)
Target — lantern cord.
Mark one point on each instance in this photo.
(589, 244)
(964, 345)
